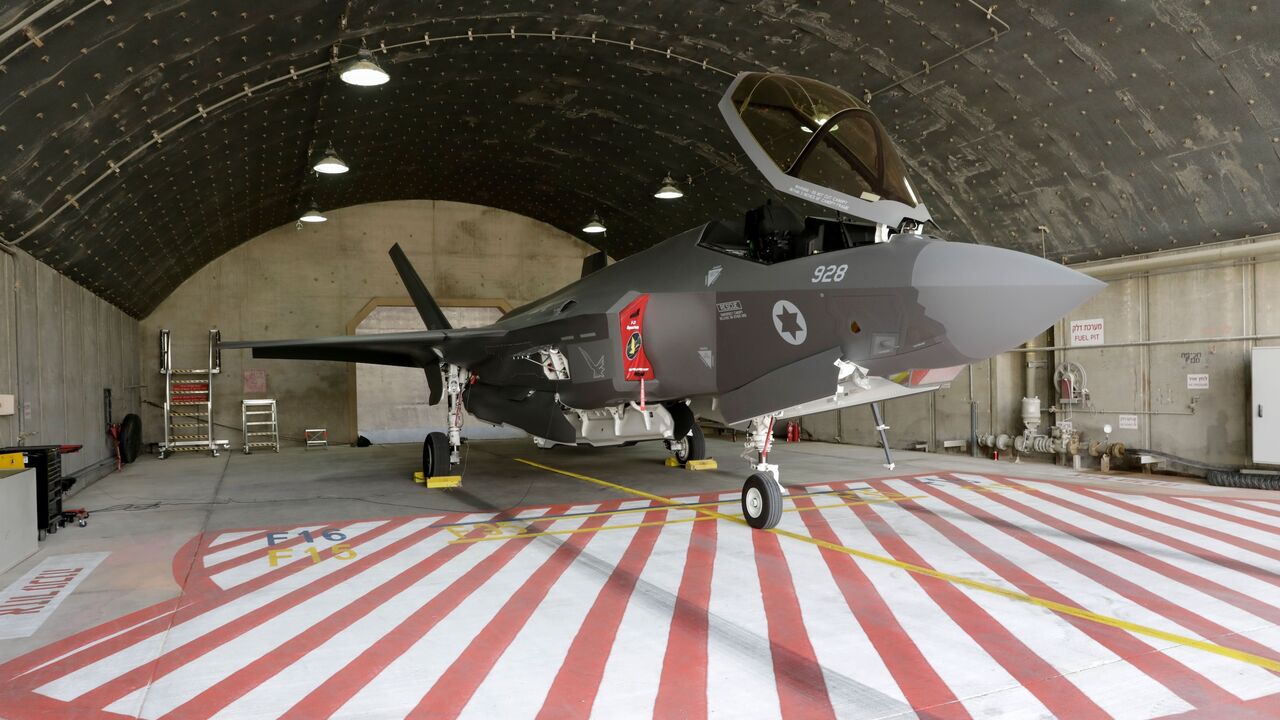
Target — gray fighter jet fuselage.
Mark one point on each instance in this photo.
(738, 321)
(718, 326)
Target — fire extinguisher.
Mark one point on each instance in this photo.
(793, 431)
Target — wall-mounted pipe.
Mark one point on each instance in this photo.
(1029, 384)
(1076, 411)
(1151, 343)
(1262, 246)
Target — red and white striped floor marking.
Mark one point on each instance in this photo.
(575, 685)
(626, 609)
(1054, 691)
(392, 673)
(893, 675)
(1102, 543)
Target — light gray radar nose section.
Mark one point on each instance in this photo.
(991, 300)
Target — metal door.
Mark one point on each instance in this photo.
(1265, 409)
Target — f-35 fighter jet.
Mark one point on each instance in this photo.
(742, 321)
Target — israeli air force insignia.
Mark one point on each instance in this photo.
(789, 322)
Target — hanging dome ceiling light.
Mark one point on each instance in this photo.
(595, 226)
(668, 190)
(313, 216)
(330, 163)
(364, 71)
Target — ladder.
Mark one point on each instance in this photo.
(188, 401)
(259, 424)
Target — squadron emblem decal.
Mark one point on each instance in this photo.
(714, 274)
(789, 322)
(635, 363)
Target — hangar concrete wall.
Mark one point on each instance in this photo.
(60, 346)
(1238, 299)
(314, 282)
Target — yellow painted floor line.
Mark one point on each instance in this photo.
(698, 508)
(576, 531)
(1057, 607)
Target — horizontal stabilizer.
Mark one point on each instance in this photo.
(431, 313)
(423, 349)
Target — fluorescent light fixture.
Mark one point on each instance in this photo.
(313, 216)
(331, 164)
(668, 191)
(915, 200)
(821, 119)
(364, 71)
(595, 226)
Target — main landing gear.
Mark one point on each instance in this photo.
(441, 451)
(762, 493)
(688, 442)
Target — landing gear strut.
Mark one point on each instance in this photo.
(762, 493)
(440, 451)
(884, 439)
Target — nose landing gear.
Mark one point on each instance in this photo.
(762, 501)
(762, 493)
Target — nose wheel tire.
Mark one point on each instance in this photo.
(761, 501)
(435, 455)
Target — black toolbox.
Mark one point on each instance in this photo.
(47, 461)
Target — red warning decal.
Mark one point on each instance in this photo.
(635, 364)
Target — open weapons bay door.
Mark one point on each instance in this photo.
(816, 142)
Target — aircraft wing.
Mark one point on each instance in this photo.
(411, 349)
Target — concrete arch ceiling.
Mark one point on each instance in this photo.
(1119, 127)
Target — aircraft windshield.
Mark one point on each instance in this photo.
(822, 135)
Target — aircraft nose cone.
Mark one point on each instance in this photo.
(991, 300)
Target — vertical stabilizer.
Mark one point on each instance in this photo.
(592, 263)
(427, 307)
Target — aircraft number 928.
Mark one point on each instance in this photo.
(829, 273)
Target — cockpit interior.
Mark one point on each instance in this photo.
(774, 233)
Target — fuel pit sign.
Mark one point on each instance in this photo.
(1087, 332)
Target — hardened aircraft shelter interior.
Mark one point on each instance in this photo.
(783, 359)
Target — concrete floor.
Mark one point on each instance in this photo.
(952, 587)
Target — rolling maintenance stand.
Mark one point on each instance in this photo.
(188, 401)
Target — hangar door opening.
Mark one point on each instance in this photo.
(391, 402)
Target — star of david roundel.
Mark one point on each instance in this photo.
(789, 322)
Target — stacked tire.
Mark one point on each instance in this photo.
(130, 438)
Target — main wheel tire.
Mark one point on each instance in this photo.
(435, 454)
(694, 446)
(682, 420)
(761, 501)
(130, 438)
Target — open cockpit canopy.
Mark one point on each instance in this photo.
(818, 143)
